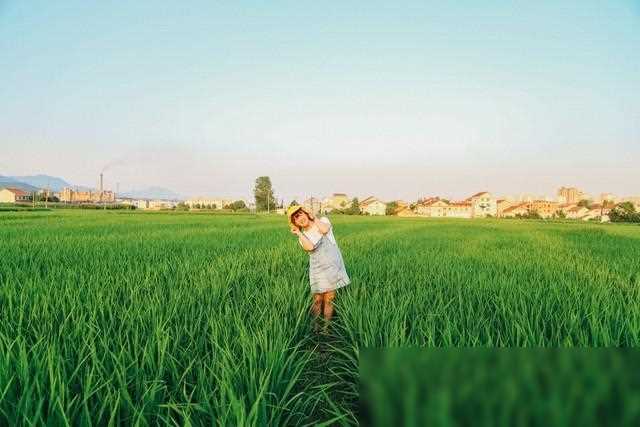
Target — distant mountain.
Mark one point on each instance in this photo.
(10, 182)
(53, 183)
(151, 193)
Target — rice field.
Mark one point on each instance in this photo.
(199, 319)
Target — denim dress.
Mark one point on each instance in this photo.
(326, 267)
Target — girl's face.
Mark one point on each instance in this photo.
(301, 219)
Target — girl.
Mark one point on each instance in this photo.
(326, 267)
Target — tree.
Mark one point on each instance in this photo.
(560, 214)
(624, 212)
(354, 209)
(391, 208)
(263, 193)
(236, 206)
(533, 214)
(585, 203)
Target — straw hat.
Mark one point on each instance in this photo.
(295, 208)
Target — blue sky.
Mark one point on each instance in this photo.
(387, 98)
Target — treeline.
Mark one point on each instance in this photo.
(60, 205)
(237, 206)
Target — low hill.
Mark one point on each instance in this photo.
(10, 182)
(53, 183)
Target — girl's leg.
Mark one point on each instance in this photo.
(328, 298)
(316, 309)
(316, 305)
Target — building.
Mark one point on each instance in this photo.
(570, 195)
(596, 214)
(406, 212)
(69, 195)
(208, 203)
(313, 204)
(600, 211)
(161, 204)
(575, 211)
(432, 207)
(458, 210)
(338, 201)
(516, 210)
(138, 203)
(400, 205)
(503, 204)
(14, 195)
(544, 208)
(373, 206)
(483, 204)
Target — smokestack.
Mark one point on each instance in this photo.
(101, 182)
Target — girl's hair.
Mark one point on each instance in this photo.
(306, 212)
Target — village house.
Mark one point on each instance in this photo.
(432, 207)
(208, 203)
(503, 204)
(161, 204)
(515, 210)
(544, 208)
(598, 212)
(406, 212)
(138, 203)
(566, 207)
(373, 206)
(313, 204)
(339, 201)
(575, 212)
(483, 204)
(479, 205)
(400, 205)
(14, 195)
(336, 201)
(422, 206)
(458, 210)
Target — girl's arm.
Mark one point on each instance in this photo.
(304, 241)
(323, 227)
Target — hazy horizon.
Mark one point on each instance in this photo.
(427, 99)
